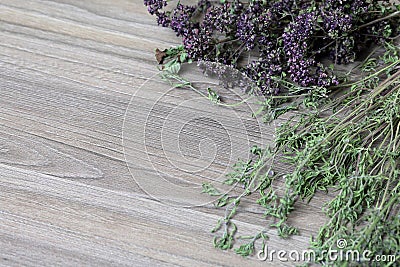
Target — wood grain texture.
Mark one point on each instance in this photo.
(70, 80)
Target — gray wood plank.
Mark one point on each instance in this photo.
(81, 137)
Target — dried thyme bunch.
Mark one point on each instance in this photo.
(286, 40)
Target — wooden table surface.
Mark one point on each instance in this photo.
(85, 144)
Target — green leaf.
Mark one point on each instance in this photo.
(183, 57)
(213, 96)
(208, 188)
(173, 68)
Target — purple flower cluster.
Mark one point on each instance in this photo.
(285, 36)
(339, 19)
(180, 19)
(256, 24)
(247, 24)
(356, 7)
(163, 19)
(302, 66)
(295, 44)
(263, 70)
(223, 18)
(337, 22)
(197, 43)
(153, 6)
